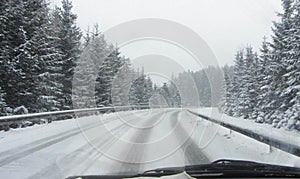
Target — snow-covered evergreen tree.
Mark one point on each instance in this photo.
(6, 17)
(280, 49)
(3, 105)
(174, 94)
(263, 78)
(121, 84)
(229, 91)
(109, 68)
(26, 49)
(251, 87)
(269, 85)
(11, 38)
(239, 70)
(139, 93)
(188, 89)
(165, 92)
(149, 88)
(291, 90)
(49, 87)
(85, 86)
(203, 87)
(87, 38)
(69, 36)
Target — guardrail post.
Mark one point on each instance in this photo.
(271, 149)
(5, 127)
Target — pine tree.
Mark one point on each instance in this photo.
(31, 48)
(215, 77)
(69, 36)
(5, 47)
(149, 88)
(239, 86)
(174, 93)
(107, 72)
(281, 79)
(12, 37)
(165, 92)
(251, 83)
(85, 76)
(139, 92)
(280, 49)
(49, 89)
(203, 87)
(241, 90)
(87, 38)
(264, 75)
(177, 99)
(229, 93)
(86, 80)
(121, 84)
(292, 75)
(188, 89)
(2, 103)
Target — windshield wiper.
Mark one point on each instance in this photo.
(218, 169)
(232, 168)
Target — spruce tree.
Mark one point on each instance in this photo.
(251, 89)
(263, 80)
(121, 84)
(165, 92)
(139, 91)
(86, 79)
(280, 48)
(229, 93)
(291, 90)
(12, 37)
(49, 86)
(174, 93)
(2, 103)
(109, 68)
(69, 36)
(239, 71)
(30, 55)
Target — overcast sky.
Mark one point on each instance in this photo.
(225, 25)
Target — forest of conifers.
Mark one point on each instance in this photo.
(47, 63)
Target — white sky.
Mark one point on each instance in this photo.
(225, 25)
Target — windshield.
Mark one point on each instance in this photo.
(95, 87)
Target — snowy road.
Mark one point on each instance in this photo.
(123, 142)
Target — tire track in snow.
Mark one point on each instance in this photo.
(81, 155)
(191, 150)
(21, 152)
(120, 133)
(103, 145)
(9, 156)
(134, 153)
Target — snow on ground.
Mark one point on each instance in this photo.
(126, 142)
(244, 147)
(57, 148)
(21, 136)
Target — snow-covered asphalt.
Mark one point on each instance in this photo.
(124, 142)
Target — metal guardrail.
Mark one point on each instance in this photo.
(279, 144)
(60, 115)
